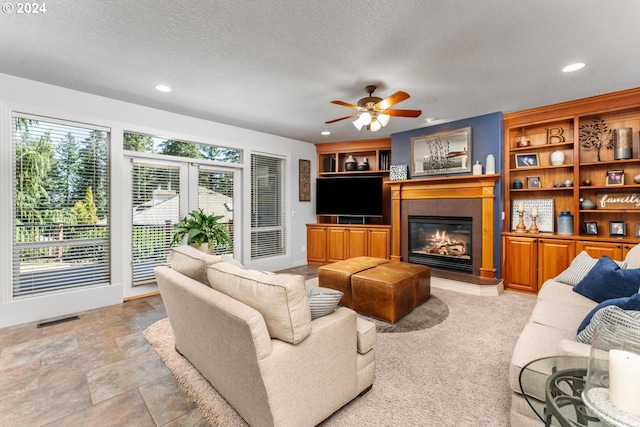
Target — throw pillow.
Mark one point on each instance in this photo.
(580, 266)
(611, 315)
(625, 303)
(322, 301)
(606, 280)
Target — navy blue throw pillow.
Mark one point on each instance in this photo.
(625, 303)
(606, 280)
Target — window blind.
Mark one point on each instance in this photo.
(155, 210)
(61, 205)
(268, 233)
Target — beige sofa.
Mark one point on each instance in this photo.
(551, 331)
(250, 334)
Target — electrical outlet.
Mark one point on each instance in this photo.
(304, 248)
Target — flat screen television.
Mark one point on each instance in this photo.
(349, 196)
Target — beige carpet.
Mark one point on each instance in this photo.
(452, 374)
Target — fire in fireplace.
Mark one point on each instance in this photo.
(441, 242)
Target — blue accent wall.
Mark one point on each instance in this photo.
(486, 138)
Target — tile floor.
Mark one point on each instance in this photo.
(98, 370)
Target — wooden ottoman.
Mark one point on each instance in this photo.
(422, 279)
(337, 275)
(384, 293)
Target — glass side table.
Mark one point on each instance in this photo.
(552, 387)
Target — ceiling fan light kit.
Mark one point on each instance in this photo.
(374, 111)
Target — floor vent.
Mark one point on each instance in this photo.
(56, 321)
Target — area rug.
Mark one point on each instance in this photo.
(427, 315)
(453, 374)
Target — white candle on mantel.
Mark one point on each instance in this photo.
(624, 381)
(520, 207)
(534, 211)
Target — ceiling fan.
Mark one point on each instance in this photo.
(374, 112)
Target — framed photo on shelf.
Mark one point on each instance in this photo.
(591, 228)
(527, 160)
(533, 182)
(637, 230)
(617, 228)
(615, 177)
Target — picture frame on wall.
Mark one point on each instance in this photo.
(617, 228)
(591, 228)
(615, 177)
(527, 160)
(533, 182)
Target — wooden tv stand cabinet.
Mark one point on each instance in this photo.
(335, 242)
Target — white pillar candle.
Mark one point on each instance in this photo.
(624, 381)
(534, 211)
(521, 207)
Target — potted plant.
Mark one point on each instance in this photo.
(202, 230)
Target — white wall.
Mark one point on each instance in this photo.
(31, 97)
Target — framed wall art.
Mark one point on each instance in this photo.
(441, 153)
(545, 220)
(304, 180)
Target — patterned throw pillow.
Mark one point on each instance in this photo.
(625, 303)
(610, 314)
(322, 301)
(580, 266)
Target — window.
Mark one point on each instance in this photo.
(215, 197)
(150, 144)
(268, 237)
(155, 209)
(61, 205)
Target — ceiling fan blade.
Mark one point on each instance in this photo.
(403, 113)
(341, 118)
(346, 104)
(392, 100)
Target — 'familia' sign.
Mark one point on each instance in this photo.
(618, 201)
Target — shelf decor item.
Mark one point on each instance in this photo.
(596, 134)
(618, 200)
(350, 164)
(477, 168)
(622, 143)
(520, 227)
(545, 219)
(533, 182)
(534, 227)
(565, 223)
(555, 135)
(615, 177)
(363, 165)
(521, 139)
(527, 160)
(517, 184)
(491, 165)
(557, 158)
(617, 228)
(612, 386)
(637, 235)
(398, 172)
(591, 228)
(587, 204)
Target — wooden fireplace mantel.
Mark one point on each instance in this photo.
(460, 187)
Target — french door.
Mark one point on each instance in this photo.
(162, 193)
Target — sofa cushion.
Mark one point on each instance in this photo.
(559, 314)
(280, 298)
(322, 301)
(607, 280)
(580, 266)
(366, 335)
(557, 292)
(613, 315)
(625, 303)
(192, 262)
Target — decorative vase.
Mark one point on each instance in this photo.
(363, 165)
(587, 204)
(477, 168)
(565, 223)
(622, 143)
(636, 179)
(491, 165)
(557, 158)
(521, 138)
(517, 184)
(350, 164)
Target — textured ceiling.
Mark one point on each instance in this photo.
(274, 65)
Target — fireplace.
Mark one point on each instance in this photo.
(441, 242)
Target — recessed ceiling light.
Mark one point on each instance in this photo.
(573, 67)
(163, 88)
(325, 132)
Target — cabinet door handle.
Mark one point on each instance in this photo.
(617, 246)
